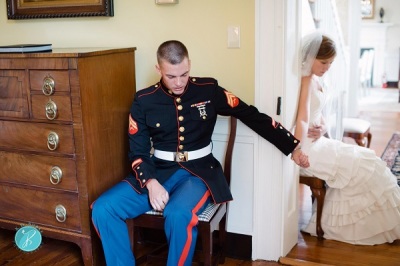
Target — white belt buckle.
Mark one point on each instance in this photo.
(181, 157)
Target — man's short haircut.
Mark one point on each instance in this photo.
(172, 51)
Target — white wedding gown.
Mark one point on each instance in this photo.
(362, 202)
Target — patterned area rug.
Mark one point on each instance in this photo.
(391, 155)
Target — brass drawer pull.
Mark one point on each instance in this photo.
(61, 213)
(52, 141)
(51, 110)
(55, 175)
(48, 86)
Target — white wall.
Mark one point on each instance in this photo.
(201, 25)
(391, 57)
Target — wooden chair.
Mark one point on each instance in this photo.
(212, 218)
(358, 129)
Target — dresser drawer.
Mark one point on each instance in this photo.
(13, 94)
(36, 170)
(39, 137)
(39, 207)
(57, 108)
(58, 79)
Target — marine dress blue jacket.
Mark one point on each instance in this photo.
(176, 123)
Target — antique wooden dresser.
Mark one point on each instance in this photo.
(63, 139)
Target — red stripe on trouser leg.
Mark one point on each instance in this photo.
(192, 223)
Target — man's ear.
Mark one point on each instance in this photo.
(158, 68)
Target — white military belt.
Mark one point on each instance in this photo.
(183, 156)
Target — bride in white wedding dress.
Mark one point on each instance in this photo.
(362, 202)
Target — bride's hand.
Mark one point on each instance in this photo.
(300, 158)
(316, 132)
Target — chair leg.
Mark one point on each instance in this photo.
(206, 241)
(319, 194)
(221, 240)
(369, 137)
(129, 224)
(136, 238)
(361, 141)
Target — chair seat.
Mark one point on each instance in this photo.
(205, 216)
(355, 125)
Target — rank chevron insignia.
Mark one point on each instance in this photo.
(232, 100)
(133, 128)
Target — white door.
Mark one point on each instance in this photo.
(276, 183)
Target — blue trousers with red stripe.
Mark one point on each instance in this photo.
(188, 196)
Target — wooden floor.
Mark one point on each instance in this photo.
(308, 251)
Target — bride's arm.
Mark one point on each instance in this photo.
(303, 109)
(302, 118)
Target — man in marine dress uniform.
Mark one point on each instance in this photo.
(176, 117)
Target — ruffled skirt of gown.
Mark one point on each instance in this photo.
(362, 202)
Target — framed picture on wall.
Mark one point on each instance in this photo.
(29, 9)
(367, 9)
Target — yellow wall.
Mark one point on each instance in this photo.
(200, 24)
